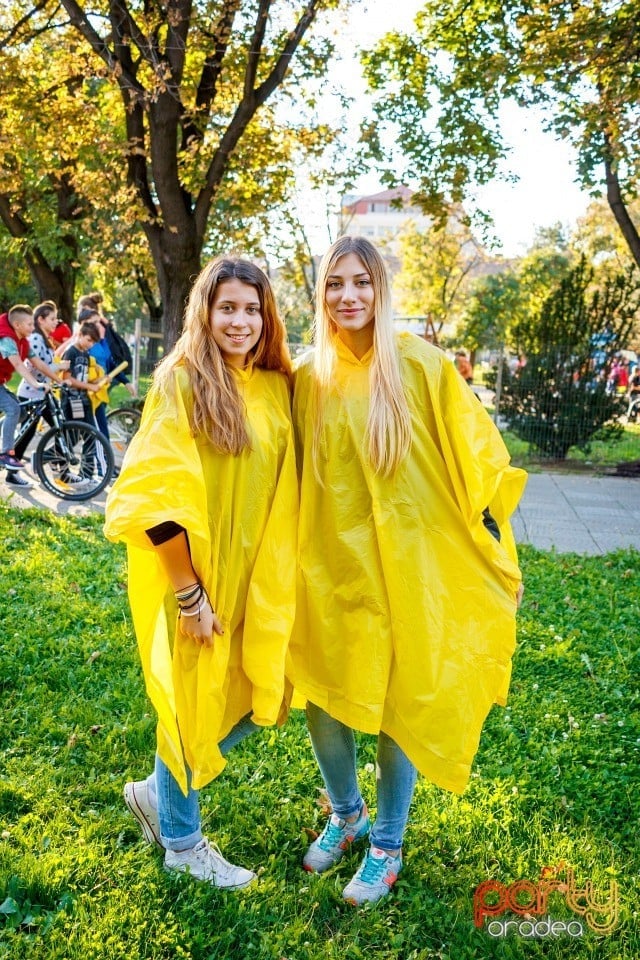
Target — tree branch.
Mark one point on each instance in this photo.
(82, 24)
(255, 47)
(178, 20)
(211, 70)
(251, 100)
(279, 71)
(19, 24)
(127, 30)
(12, 220)
(616, 202)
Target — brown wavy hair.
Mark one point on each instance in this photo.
(41, 312)
(218, 411)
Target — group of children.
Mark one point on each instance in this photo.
(335, 537)
(39, 346)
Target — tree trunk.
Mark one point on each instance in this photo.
(160, 128)
(155, 316)
(618, 208)
(176, 257)
(51, 283)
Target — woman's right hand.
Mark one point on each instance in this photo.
(202, 628)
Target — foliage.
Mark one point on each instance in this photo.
(294, 294)
(499, 303)
(56, 139)
(554, 779)
(561, 398)
(188, 107)
(603, 454)
(596, 237)
(203, 133)
(15, 285)
(439, 89)
(492, 307)
(436, 266)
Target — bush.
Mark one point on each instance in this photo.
(560, 398)
(546, 407)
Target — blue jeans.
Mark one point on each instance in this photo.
(179, 816)
(10, 406)
(335, 748)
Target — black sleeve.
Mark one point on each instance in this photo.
(489, 523)
(163, 532)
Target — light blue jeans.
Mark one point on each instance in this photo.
(334, 745)
(10, 406)
(179, 816)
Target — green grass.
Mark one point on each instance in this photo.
(602, 454)
(556, 778)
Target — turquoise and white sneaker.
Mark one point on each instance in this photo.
(375, 876)
(334, 841)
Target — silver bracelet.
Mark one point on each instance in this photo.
(196, 613)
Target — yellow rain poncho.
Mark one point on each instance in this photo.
(240, 514)
(406, 603)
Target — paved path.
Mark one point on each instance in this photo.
(569, 512)
(578, 514)
(38, 497)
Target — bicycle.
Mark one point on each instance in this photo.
(123, 424)
(72, 460)
(633, 409)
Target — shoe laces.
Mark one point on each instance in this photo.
(332, 835)
(372, 868)
(206, 850)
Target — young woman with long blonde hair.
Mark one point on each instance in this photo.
(207, 505)
(408, 587)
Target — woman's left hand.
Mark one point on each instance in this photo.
(203, 627)
(519, 595)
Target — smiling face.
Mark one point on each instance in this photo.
(349, 297)
(236, 320)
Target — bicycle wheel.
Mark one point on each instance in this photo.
(74, 461)
(123, 423)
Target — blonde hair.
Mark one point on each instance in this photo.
(218, 412)
(389, 422)
(19, 310)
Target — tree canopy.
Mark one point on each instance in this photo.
(437, 264)
(208, 113)
(56, 139)
(440, 87)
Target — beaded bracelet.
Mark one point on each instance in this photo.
(187, 592)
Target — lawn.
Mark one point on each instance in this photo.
(555, 785)
(602, 454)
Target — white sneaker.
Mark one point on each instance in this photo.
(136, 797)
(205, 862)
